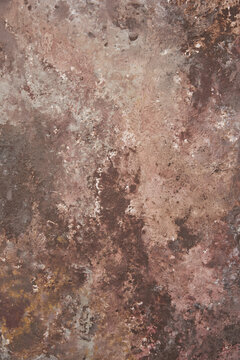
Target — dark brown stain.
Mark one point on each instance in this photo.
(88, 238)
(29, 172)
(213, 71)
(185, 240)
(12, 310)
(16, 200)
(112, 197)
(133, 36)
(27, 340)
(211, 345)
(125, 231)
(232, 333)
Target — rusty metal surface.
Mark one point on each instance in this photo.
(119, 179)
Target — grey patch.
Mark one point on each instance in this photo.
(62, 10)
(4, 3)
(131, 16)
(28, 170)
(15, 208)
(8, 47)
(234, 222)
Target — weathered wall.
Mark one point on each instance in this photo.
(119, 179)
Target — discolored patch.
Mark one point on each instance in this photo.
(62, 10)
(211, 34)
(27, 171)
(131, 16)
(16, 200)
(12, 311)
(185, 240)
(231, 333)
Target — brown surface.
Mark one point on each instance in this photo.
(119, 180)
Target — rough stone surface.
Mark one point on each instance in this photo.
(119, 179)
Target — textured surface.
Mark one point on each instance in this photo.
(119, 179)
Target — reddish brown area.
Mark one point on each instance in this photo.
(119, 180)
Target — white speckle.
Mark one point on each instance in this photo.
(198, 45)
(63, 77)
(128, 138)
(97, 207)
(112, 153)
(221, 123)
(41, 266)
(165, 52)
(189, 93)
(35, 288)
(232, 138)
(17, 266)
(177, 79)
(46, 334)
(235, 252)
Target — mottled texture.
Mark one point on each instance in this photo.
(119, 179)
